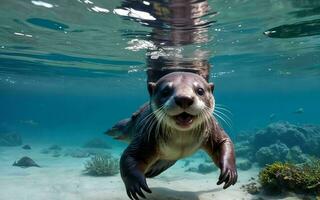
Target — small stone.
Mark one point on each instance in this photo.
(77, 153)
(55, 147)
(25, 162)
(97, 143)
(95, 151)
(206, 168)
(26, 147)
(192, 169)
(56, 155)
(186, 163)
(252, 188)
(45, 151)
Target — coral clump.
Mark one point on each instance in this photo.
(297, 178)
(279, 141)
(307, 137)
(271, 154)
(102, 165)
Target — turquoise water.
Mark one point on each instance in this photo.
(69, 70)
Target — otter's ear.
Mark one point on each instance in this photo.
(151, 86)
(211, 85)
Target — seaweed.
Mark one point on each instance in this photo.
(102, 165)
(303, 178)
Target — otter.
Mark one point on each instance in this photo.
(175, 123)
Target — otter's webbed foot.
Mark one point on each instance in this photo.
(134, 183)
(228, 174)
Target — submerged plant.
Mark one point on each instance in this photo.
(102, 165)
(297, 178)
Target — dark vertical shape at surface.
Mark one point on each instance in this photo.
(178, 32)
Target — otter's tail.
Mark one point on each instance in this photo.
(120, 131)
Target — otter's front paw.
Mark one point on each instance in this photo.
(228, 175)
(134, 183)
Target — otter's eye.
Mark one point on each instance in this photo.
(166, 92)
(200, 91)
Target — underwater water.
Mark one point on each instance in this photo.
(69, 70)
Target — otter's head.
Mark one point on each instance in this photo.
(182, 100)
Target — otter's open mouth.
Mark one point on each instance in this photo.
(184, 119)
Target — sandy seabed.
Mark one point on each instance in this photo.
(62, 178)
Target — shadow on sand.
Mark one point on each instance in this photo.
(168, 194)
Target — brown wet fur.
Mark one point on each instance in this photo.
(142, 157)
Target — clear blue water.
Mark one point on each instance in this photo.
(68, 71)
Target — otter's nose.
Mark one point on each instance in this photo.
(184, 101)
